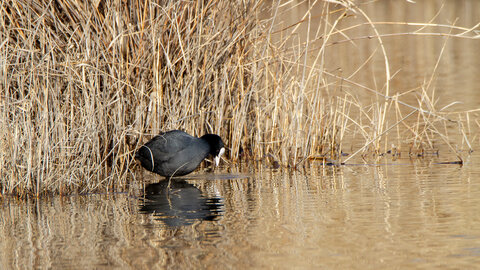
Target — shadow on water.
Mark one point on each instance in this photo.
(179, 203)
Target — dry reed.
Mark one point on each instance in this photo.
(83, 84)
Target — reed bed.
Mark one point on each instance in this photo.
(85, 83)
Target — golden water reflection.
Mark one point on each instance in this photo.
(401, 216)
(419, 55)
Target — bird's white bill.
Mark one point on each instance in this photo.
(217, 158)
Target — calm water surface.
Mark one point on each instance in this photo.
(418, 58)
(409, 215)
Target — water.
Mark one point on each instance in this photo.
(412, 50)
(409, 215)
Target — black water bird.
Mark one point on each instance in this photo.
(176, 153)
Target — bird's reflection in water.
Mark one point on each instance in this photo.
(179, 203)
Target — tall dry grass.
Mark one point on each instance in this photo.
(83, 84)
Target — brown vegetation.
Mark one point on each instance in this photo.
(83, 84)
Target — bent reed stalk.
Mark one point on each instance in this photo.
(84, 84)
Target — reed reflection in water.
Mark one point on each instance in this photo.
(403, 216)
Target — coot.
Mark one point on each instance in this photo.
(176, 153)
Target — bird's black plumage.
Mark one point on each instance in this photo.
(176, 153)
